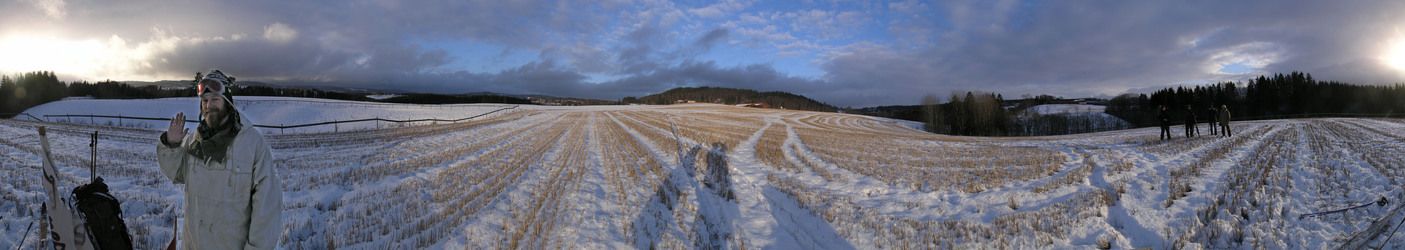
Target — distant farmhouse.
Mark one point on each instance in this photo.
(754, 105)
(1069, 101)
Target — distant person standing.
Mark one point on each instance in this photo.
(1189, 122)
(1165, 123)
(1224, 120)
(1214, 118)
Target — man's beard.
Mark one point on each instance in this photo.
(216, 116)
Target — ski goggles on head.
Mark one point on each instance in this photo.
(210, 86)
(214, 82)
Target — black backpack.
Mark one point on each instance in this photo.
(103, 216)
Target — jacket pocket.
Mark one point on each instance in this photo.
(236, 201)
(240, 181)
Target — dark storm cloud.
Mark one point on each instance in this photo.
(540, 78)
(552, 78)
(333, 38)
(638, 53)
(297, 61)
(528, 24)
(711, 38)
(759, 77)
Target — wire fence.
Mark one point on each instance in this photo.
(18, 114)
(247, 102)
(120, 119)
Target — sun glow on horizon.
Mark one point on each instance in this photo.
(1395, 52)
(24, 54)
(90, 59)
(1395, 57)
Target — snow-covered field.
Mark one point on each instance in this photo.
(262, 110)
(691, 176)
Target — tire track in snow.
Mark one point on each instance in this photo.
(810, 231)
(756, 223)
(1141, 210)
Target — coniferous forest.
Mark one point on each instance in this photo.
(1292, 95)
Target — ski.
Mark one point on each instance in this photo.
(65, 228)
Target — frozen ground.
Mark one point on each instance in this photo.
(692, 176)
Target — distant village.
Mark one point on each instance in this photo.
(719, 101)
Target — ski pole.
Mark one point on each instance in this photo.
(175, 234)
(93, 169)
(26, 235)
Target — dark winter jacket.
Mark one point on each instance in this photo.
(1189, 117)
(1165, 118)
(1214, 114)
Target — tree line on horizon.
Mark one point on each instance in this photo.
(975, 114)
(23, 91)
(1290, 95)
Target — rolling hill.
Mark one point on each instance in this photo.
(731, 96)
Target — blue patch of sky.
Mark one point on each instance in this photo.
(1237, 68)
(479, 57)
(692, 4)
(801, 61)
(1024, 16)
(797, 63)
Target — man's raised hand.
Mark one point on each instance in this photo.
(177, 130)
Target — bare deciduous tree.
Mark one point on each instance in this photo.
(932, 114)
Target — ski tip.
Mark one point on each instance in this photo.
(41, 131)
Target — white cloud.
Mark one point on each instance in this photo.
(765, 35)
(908, 6)
(84, 59)
(707, 12)
(1256, 55)
(749, 18)
(279, 33)
(720, 9)
(52, 8)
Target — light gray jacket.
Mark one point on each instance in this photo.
(235, 204)
(1224, 117)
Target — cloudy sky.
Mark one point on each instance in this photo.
(846, 53)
